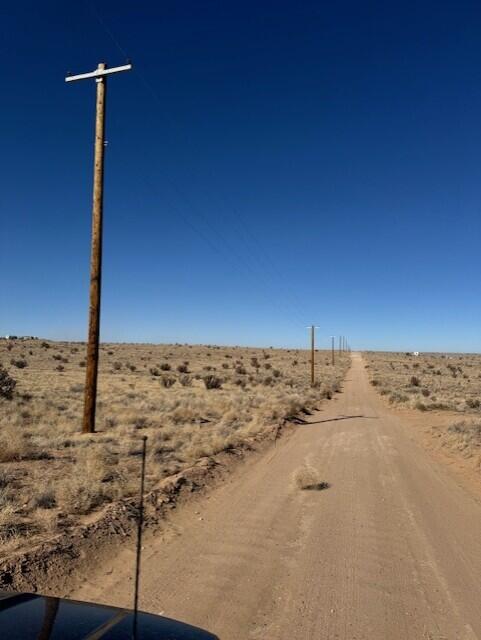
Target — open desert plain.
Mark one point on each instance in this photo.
(274, 509)
(240, 346)
(192, 403)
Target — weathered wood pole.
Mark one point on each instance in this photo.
(90, 399)
(312, 354)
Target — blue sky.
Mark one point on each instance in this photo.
(270, 165)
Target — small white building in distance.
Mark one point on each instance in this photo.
(415, 353)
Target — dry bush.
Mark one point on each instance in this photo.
(307, 478)
(10, 526)
(20, 363)
(80, 495)
(53, 475)
(449, 381)
(7, 384)
(212, 382)
(462, 438)
(45, 498)
(466, 434)
(185, 381)
(6, 477)
(167, 381)
(90, 482)
(14, 445)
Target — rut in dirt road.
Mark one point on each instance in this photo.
(390, 550)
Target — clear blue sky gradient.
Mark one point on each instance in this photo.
(270, 165)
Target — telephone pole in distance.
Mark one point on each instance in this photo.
(313, 329)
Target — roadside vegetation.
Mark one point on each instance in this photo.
(191, 402)
(435, 382)
(430, 382)
(464, 437)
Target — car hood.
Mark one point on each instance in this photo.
(25, 616)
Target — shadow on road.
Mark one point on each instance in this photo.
(342, 418)
(318, 486)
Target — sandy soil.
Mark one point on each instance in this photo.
(391, 550)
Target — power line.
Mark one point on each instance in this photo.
(255, 255)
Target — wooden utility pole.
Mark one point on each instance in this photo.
(332, 349)
(312, 355)
(90, 398)
(313, 329)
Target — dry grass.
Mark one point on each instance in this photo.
(429, 381)
(191, 401)
(435, 382)
(464, 438)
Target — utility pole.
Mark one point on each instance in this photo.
(90, 398)
(332, 349)
(312, 328)
(340, 345)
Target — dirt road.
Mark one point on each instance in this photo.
(392, 550)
